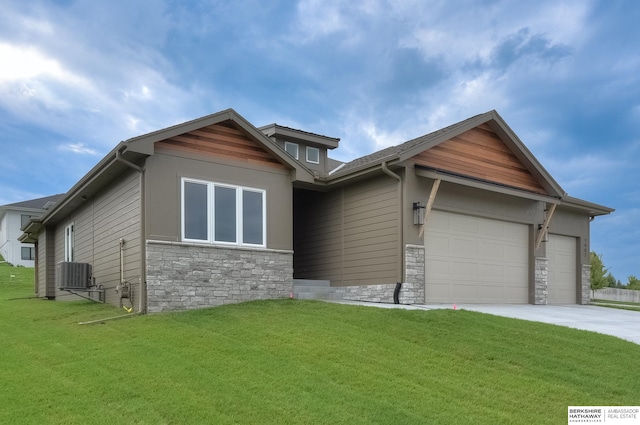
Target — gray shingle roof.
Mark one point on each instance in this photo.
(38, 203)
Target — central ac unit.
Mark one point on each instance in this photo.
(73, 275)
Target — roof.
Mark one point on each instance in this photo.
(405, 151)
(394, 152)
(300, 135)
(38, 203)
(134, 150)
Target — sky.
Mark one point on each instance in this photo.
(77, 77)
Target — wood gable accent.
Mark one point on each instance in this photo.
(222, 140)
(479, 153)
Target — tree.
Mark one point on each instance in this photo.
(611, 281)
(598, 272)
(634, 283)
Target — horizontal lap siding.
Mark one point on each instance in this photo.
(370, 232)
(222, 141)
(348, 236)
(318, 235)
(117, 216)
(99, 225)
(479, 153)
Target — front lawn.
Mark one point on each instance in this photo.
(298, 362)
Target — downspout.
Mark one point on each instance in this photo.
(142, 308)
(399, 256)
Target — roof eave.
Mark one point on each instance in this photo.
(592, 208)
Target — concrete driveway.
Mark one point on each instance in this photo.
(624, 324)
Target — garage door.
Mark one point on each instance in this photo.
(476, 260)
(561, 252)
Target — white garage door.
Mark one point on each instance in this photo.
(561, 252)
(476, 260)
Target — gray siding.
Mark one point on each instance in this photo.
(166, 168)
(46, 264)
(349, 235)
(98, 227)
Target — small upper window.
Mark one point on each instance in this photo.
(313, 155)
(292, 149)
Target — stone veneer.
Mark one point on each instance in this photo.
(183, 276)
(411, 292)
(541, 292)
(586, 284)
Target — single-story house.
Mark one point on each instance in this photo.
(216, 211)
(12, 218)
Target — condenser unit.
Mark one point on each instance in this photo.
(73, 275)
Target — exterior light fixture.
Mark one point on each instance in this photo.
(418, 213)
(541, 228)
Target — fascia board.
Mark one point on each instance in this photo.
(590, 207)
(299, 135)
(492, 187)
(524, 155)
(454, 131)
(145, 144)
(75, 191)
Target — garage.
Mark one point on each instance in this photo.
(561, 252)
(476, 260)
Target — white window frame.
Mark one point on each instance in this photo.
(314, 149)
(291, 144)
(69, 242)
(211, 237)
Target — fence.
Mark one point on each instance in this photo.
(615, 294)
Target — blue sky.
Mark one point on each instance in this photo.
(77, 77)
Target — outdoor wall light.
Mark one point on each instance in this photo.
(541, 228)
(418, 213)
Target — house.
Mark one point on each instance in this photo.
(216, 211)
(12, 218)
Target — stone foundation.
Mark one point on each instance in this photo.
(411, 292)
(541, 289)
(586, 284)
(182, 276)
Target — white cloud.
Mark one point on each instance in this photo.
(79, 148)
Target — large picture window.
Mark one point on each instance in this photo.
(220, 213)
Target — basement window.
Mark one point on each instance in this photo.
(221, 213)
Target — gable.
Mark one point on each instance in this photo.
(222, 140)
(480, 153)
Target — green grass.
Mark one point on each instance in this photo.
(297, 362)
(623, 305)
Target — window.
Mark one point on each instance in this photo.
(68, 243)
(292, 149)
(26, 253)
(24, 220)
(313, 155)
(219, 213)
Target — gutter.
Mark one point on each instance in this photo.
(142, 308)
(399, 257)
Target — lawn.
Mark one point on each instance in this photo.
(297, 362)
(624, 305)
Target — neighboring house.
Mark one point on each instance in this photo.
(12, 218)
(217, 211)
